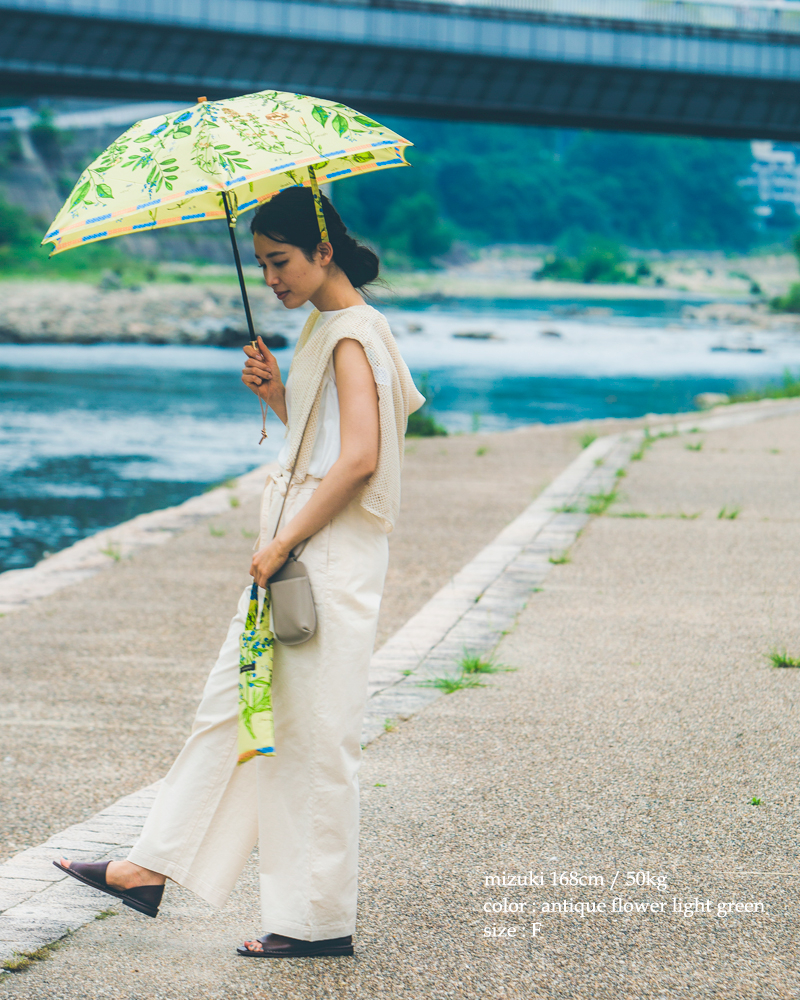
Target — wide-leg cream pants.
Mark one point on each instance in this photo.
(302, 804)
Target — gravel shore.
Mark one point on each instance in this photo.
(72, 312)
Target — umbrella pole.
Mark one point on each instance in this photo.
(245, 300)
(238, 260)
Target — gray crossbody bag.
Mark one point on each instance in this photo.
(294, 619)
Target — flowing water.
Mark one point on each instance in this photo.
(94, 435)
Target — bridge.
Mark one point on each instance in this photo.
(703, 68)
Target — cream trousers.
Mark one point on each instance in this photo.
(301, 805)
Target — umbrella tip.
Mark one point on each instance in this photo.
(202, 100)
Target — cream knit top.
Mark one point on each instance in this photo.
(397, 397)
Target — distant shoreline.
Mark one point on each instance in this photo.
(210, 313)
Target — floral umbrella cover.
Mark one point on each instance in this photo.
(172, 169)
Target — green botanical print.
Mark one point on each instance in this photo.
(256, 643)
(171, 169)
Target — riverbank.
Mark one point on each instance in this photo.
(200, 304)
(76, 312)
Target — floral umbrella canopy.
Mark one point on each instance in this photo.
(217, 159)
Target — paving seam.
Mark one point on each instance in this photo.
(39, 906)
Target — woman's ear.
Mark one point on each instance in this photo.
(325, 251)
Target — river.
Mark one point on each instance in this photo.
(94, 435)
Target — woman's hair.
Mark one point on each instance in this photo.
(290, 217)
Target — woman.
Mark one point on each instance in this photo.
(345, 404)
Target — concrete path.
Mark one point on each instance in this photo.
(639, 725)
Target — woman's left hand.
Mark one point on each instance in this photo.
(267, 561)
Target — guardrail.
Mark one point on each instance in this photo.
(757, 16)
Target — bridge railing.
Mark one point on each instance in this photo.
(758, 15)
(755, 16)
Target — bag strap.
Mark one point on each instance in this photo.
(299, 549)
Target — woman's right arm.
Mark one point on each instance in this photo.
(262, 376)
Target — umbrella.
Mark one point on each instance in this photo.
(218, 159)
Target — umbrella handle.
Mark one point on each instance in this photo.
(253, 341)
(238, 260)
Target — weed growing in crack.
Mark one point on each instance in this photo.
(780, 658)
(600, 502)
(22, 959)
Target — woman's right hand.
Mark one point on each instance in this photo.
(262, 375)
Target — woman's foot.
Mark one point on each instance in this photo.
(133, 887)
(280, 946)
(127, 875)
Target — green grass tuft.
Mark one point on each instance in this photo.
(481, 451)
(586, 439)
(113, 551)
(695, 447)
(560, 560)
(452, 684)
(600, 502)
(729, 515)
(216, 532)
(473, 663)
(788, 389)
(23, 959)
(755, 801)
(780, 658)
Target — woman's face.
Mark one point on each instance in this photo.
(288, 272)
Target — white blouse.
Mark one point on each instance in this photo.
(327, 443)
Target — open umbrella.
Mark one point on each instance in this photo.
(218, 159)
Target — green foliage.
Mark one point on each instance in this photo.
(414, 230)
(515, 184)
(788, 388)
(421, 423)
(598, 261)
(21, 253)
(790, 302)
(728, 515)
(559, 560)
(586, 439)
(10, 148)
(46, 138)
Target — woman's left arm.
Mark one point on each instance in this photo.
(359, 423)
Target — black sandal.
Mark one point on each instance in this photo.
(279, 946)
(144, 898)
